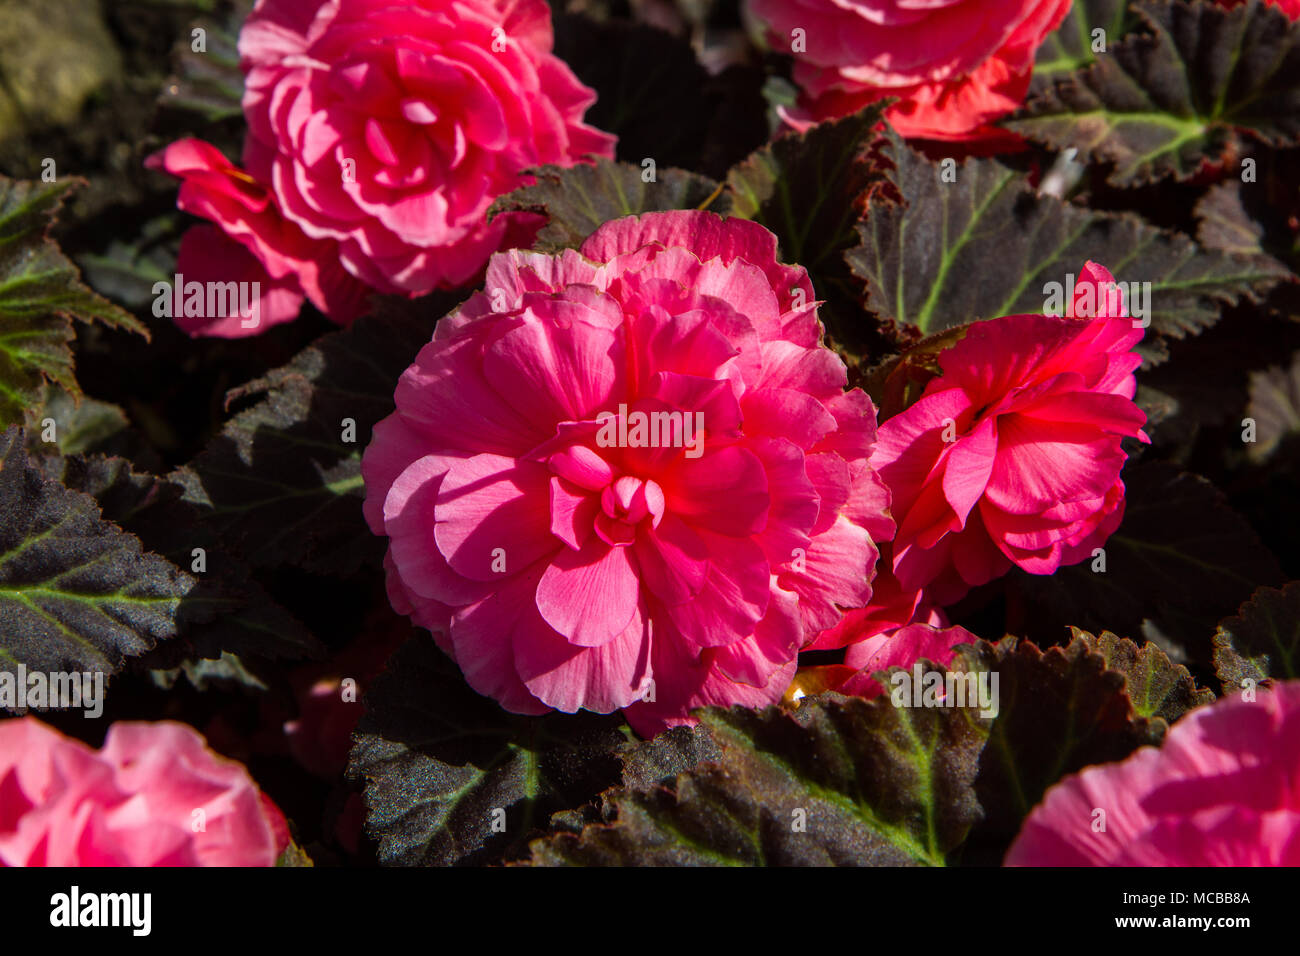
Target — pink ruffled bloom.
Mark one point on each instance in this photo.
(954, 66)
(1223, 790)
(566, 566)
(252, 242)
(390, 128)
(1012, 456)
(900, 648)
(889, 609)
(132, 803)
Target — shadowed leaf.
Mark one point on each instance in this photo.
(1262, 641)
(452, 778)
(227, 610)
(578, 199)
(76, 592)
(282, 482)
(1275, 408)
(1180, 560)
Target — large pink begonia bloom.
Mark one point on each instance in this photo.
(131, 803)
(563, 573)
(954, 66)
(1223, 790)
(1013, 455)
(391, 127)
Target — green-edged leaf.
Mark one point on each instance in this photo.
(451, 778)
(577, 199)
(76, 592)
(810, 188)
(1156, 686)
(1180, 561)
(1262, 641)
(1274, 407)
(227, 610)
(40, 294)
(281, 483)
(1161, 104)
(1059, 710)
(1070, 47)
(918, 259)
(841, 781)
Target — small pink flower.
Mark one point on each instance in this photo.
(567, 560)
(253, 242)
(954, 66)
(900, 648)
(889, 609)
(1012, 455)
(154, 795)
(1223, 790)
(390, 128)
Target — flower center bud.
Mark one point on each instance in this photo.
(625, 503)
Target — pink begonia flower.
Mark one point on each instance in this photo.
(564, 565)
(866, 655)
(1223, 790)
(391, 127)
(889, 609)
(1013, 454)
(900, 648)
(135, 802)
(953, 66)
(252, 242)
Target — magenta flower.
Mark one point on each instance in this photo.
(154, 795)
(391, 127)
(953, 66)
(1012, 455)
(900, 648)
(254, 243)
(630, 476)
(1223, 790)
